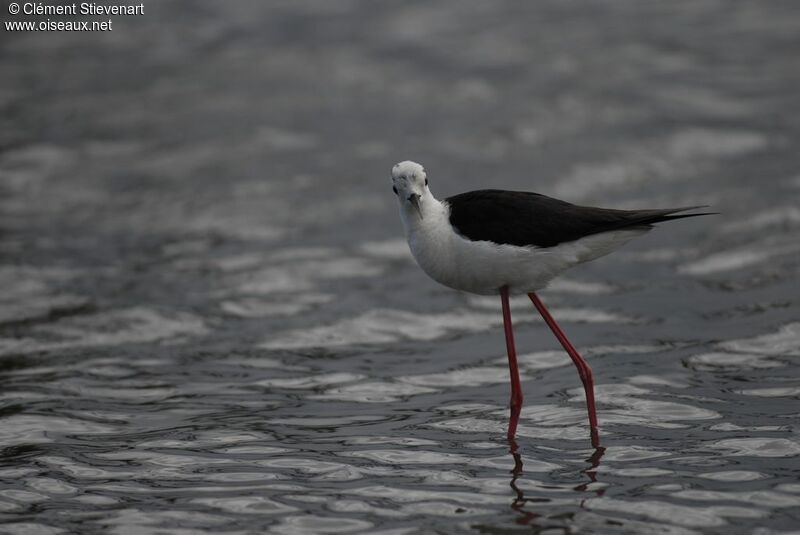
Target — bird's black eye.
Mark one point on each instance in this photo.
(426, 181)
(394, 189)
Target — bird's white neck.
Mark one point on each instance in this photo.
(430, 237)
(432, 214)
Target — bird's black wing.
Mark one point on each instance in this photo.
(530, 219)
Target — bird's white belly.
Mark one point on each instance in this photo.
(483, 267)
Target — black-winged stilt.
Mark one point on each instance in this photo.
(510, 242)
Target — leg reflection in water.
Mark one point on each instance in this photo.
(591, 472)
(519, 503)
(526, 517)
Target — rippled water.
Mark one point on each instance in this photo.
(210, 322)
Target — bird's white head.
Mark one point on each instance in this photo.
(410, 184)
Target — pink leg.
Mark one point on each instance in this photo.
(516, 387)
(584, 370)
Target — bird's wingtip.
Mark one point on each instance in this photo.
(696, 207)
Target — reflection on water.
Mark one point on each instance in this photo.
(210, 322)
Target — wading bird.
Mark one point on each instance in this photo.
(512, 242)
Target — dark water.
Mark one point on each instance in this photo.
(210, 322)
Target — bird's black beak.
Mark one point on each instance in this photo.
(414, 200)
